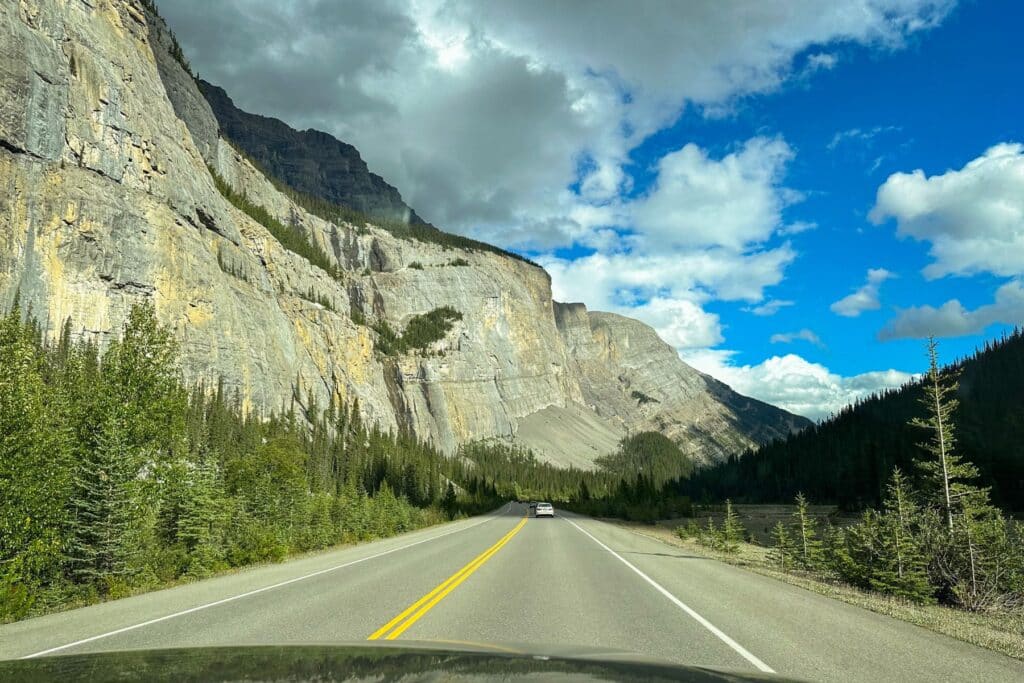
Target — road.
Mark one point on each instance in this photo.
(506, 578)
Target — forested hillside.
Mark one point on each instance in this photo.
(848, 458)
(117, 477)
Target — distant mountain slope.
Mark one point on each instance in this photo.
(847, 459)
(309, 161)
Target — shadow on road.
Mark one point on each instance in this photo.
(678, 557)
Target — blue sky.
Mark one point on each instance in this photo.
(775, 187)
(933, 104)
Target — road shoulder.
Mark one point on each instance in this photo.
(1002, 633)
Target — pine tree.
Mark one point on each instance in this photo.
(805, 526)
(732, 529)
(901, 568)
(781, 554)
(863, 547)
(203, 520)
(105, 506)
(945, 471)
(710, 536)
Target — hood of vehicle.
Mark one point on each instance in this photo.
(406, 661)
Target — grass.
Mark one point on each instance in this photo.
(998, 631)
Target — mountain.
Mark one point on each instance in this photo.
(309, 161)
(119, 184)
(848, 458)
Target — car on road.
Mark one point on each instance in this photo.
(533, 504)
(544, 510)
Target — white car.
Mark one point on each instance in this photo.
(544, 510)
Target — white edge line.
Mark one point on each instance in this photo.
(682, 605)
(247, 594)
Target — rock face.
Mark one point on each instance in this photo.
(106, 200)
(310, 161)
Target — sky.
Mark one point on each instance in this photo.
(793, 194)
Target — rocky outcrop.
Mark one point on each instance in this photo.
(309, 161)
(629, 376)
(105, 200)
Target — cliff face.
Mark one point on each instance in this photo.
(310, 161)
(105, 200)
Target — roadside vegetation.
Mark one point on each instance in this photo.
(939, 540)
(116, 478)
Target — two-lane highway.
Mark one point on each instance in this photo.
(507, 578)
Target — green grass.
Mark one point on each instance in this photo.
(998, 631)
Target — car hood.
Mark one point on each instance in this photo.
(408, 661)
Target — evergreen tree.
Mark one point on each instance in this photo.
(902, 565)
(806, 534)
(105, 507)
(204, 515)
(945, 471)
(732, 529)
(781, 554)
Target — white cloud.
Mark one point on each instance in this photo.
(973, 217)
(699, 236)
(480, 112)
(953, 320)
(793, 383)
(790, 337)
(820, 61)
(865, 298)
(681, 323)
(770, 307)
(730, 202)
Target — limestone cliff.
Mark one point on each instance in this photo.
(105, 200)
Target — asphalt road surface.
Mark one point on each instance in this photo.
(509, 578)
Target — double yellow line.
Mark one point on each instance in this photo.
(417, 609)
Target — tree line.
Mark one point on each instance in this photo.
(848, 459)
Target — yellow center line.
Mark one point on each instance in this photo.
(427, 602)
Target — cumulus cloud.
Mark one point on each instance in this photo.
(973, 217)
(793, 383)
(790, 337)
(699, 235)
(730, 202)
(820, 61)
(865, 298)
(951, 319)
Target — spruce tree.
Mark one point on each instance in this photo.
(902, 565)
(806, 535)
(944, 471)
(781, 554)
(732, 529)
(105, 505)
